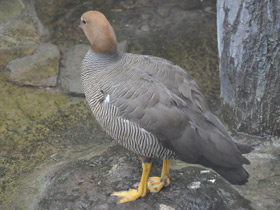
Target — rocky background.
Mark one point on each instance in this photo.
(53, 153)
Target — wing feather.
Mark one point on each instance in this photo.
(164, 100)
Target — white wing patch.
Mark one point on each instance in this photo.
(107, 99)
(142, 129)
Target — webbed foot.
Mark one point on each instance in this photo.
(129, 195)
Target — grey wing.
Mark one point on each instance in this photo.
(143, 100)
(204, 133)
(171, 106)
(177, 80)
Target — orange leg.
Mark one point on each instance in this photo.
(133, 194)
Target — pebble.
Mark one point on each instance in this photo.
(145, 16)
(164, 11)
(212, 180)
(204, 171)
(208, 9)
(145, 28)
(165, 207)
(194, 185)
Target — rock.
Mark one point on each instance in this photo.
(164, 207)
(163, 11)
(157, 22)
(118, 169)
(70, 75)
(145, 28)
(145, 16)
(208, 9)
(61, 17)
(10, 53)
(190, 4)
(10, 9)
(20, 30)
(264, 183)
(40, 69)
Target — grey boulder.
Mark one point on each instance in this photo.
(40, 69)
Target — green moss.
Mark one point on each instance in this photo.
(41, 72)
(48, 70)
(22, 30)
(36, 124)
(18, 36)
(19, 40)
(21, 134)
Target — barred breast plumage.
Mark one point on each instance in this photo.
(111, 76)
(155, 109)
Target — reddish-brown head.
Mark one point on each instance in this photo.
(99, 32)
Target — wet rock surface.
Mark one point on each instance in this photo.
(87, 184)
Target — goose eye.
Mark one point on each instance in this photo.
(84, 21)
